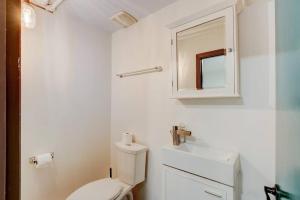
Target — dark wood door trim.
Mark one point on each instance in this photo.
(199, 58)
(13, 46)
(2, 98)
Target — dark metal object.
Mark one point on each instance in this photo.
(277, 192)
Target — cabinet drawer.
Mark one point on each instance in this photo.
(179, 185)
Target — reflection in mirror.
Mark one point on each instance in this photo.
(201, 56)
(213, 72)
(210, 69)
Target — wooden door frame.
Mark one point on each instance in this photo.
(13, 99)
(2, 98)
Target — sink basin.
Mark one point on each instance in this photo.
(214, 164)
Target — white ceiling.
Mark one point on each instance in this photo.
(98, 12)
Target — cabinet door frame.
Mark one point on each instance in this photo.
(231, 88)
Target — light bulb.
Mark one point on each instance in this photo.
(28, 16)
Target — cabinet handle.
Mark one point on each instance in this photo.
(213, 194)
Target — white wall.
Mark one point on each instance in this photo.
(65, 104)
(141, 104)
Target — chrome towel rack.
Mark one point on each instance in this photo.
(139, 72)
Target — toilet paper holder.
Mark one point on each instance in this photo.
(33, 159)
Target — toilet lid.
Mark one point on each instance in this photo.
(105, 189)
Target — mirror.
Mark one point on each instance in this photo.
(203, 57)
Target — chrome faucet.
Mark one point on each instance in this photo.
(177, 133)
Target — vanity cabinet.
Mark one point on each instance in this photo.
(180, 185)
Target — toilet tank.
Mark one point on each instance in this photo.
(131, 163)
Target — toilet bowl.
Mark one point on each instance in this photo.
(131, 163)
(103, 189)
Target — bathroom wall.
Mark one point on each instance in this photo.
(65, 104)
(288, 97)
(142, 104)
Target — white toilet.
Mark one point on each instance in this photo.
(131, 164)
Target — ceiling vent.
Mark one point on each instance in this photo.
(124, 18)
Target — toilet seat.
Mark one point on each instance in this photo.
(104, 189)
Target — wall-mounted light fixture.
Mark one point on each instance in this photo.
(28, 16)
(48, 5)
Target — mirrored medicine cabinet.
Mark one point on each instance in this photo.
(205, 58)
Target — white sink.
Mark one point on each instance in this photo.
(214, 164)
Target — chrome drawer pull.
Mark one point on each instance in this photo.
(213, 194)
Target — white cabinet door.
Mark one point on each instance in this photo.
(179, 185)
(184, 65)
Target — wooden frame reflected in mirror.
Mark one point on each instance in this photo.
(199, 59)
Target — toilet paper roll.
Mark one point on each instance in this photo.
(127, 138)
(43, 160)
